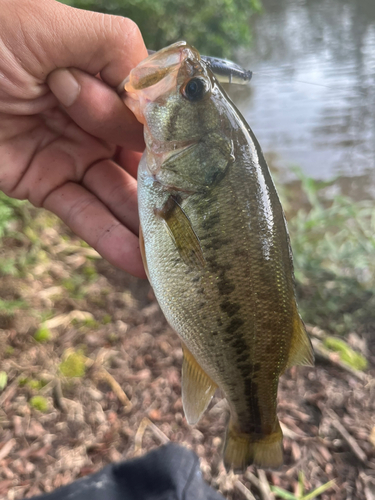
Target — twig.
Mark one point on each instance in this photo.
(245, 491)
(158, 433)
(315, 331)
(7, 448)
(369, 486)
(265, 487)
(9, 391)
(116, 388)
(146, 422)
(261, 484)
(57, 395)
(253, 480)
(139, 436)
(102, 374)
(288, 433)
(354, 446)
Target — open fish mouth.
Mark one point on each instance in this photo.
(158, 74)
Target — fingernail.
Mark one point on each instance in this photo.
(64, 86)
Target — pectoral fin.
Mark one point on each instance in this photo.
(182, 233)
(301, 351)
(197, 388)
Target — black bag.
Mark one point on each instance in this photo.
(170, 472)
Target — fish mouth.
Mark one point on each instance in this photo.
(157, 66)
(156, 75)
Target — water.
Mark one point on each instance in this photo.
(312, 99)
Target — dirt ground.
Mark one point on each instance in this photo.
(106, 328)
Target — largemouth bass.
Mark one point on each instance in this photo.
(216, 249)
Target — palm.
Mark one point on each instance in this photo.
(62, 130)
(87, 181)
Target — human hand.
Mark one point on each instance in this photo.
(67, 141)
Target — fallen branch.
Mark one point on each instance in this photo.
(9, 392)
(265, 490)
(58, 397)
(116, 388)
(105, 376)
(146, 422)
(253, 480)
(242, 489)
(353, 445)
(7, 448)
(288, 433)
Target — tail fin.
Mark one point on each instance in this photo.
(242, 450)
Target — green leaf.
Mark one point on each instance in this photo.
(43, 334)
(301, 486)
(346, 353)
(39, 403)
(283, 493)
(3, 380)
(318, 491)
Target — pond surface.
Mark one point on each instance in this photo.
(311, 102)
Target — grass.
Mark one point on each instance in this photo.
(9, 211)
(301, 494)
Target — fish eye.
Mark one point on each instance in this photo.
(195, 89)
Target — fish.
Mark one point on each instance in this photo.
(216, 250)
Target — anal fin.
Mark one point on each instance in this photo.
(197, 388)
(301, 350)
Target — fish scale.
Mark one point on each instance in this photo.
(217, 250)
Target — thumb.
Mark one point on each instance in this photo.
(54, 35)
(96, 108)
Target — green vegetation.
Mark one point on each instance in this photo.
(107, 318)
(11, 306)
(43, 334)
(3, 380)
(347, 355)
(75, 286)
(333, 246)
(39, 403)
(73, 365)
(301, 495)
(8, 212)
(31, 383)
(214, 27)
